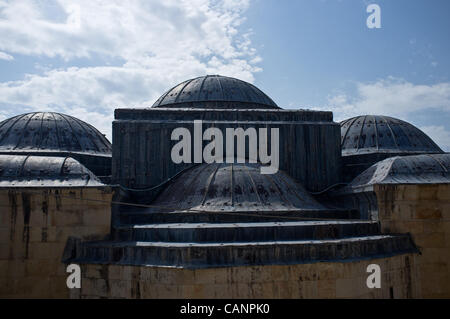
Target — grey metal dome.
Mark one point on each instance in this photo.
(414, 169)
(235, 188)
(382, 134)
(51, 132)
(44, 171)
(215, 91)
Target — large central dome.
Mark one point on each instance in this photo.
(215, 91)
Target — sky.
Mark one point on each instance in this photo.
(88, 57)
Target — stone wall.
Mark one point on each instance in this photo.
(34, 227)
(317, 280)
(424, 212)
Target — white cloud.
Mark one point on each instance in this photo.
(130, 30)
(160, 43)
(394, 97)
(397, 98)
(5, 56)
(440, 135)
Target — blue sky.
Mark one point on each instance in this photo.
(87, 58)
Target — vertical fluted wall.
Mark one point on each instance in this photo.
(309, 143)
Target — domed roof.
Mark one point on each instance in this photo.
(51, 132)
(415, 169)
(44, 171)
(382, 134)
(215, 91)
(234, 188)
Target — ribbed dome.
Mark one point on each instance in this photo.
(415, 169)
(235, 187)
(215, 91)
(382, 134)
(43, 171)
(51, 132)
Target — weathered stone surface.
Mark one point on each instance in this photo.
(33, 237)
(347, 280)
(424, 212)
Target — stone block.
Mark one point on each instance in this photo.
(115, 272)
(280, 273)
(58, 288)
(305, 272)
(304, 289)
(100, 287)
(37, 234)
(351, 287)
(443, 192)
(240, 291)
(428, 191)
(4, 268)
(216, 291)
(446, 211)
(167, 291)
(446, 226)
(326, 271)
(435, 283)
(407, 226)
(240, 274)
(411, 192)
(94, 271)
(146, 289)
(424, 211)
(432, 255)
(39, 267)
(130, 273)
(326, 289)
(430, 240)
(4, 235)
(69, 217)
(259, 274)
(268, 290)
(97, 217)
(256, 291)
(16, 269)
(75, 294)
(119, 288)
(51, 251)
(210, 275)
(4, 251)
(283, 289)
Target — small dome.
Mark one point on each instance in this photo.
(44, 171)
(215, 91)
(51, 132)
(415, 169)
(382, 134)
(234, 188)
